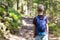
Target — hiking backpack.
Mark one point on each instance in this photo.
(40, 24)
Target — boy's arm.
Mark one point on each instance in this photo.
(34, 23)
(47, 29)
(34, 32)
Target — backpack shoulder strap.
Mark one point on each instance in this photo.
(44, 17)
(36, 18)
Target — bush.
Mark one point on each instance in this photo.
(2, 36)
(54, 29)
(12, 21)
(15, 22)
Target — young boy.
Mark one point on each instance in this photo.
(41, 25)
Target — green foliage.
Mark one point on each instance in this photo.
(9, 2)
(1, 35)
(1, 11)
(15, 22)
(12, 21)
(14, 14)
(54, 29)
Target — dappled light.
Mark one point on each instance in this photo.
(16, 18)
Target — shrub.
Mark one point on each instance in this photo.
(53, 28)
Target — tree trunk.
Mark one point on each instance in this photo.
(17, 4)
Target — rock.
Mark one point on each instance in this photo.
(2, 27)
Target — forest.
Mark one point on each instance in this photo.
(14, 12)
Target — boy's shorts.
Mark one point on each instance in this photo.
(42, 37)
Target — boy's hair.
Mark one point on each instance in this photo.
(40, 8)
